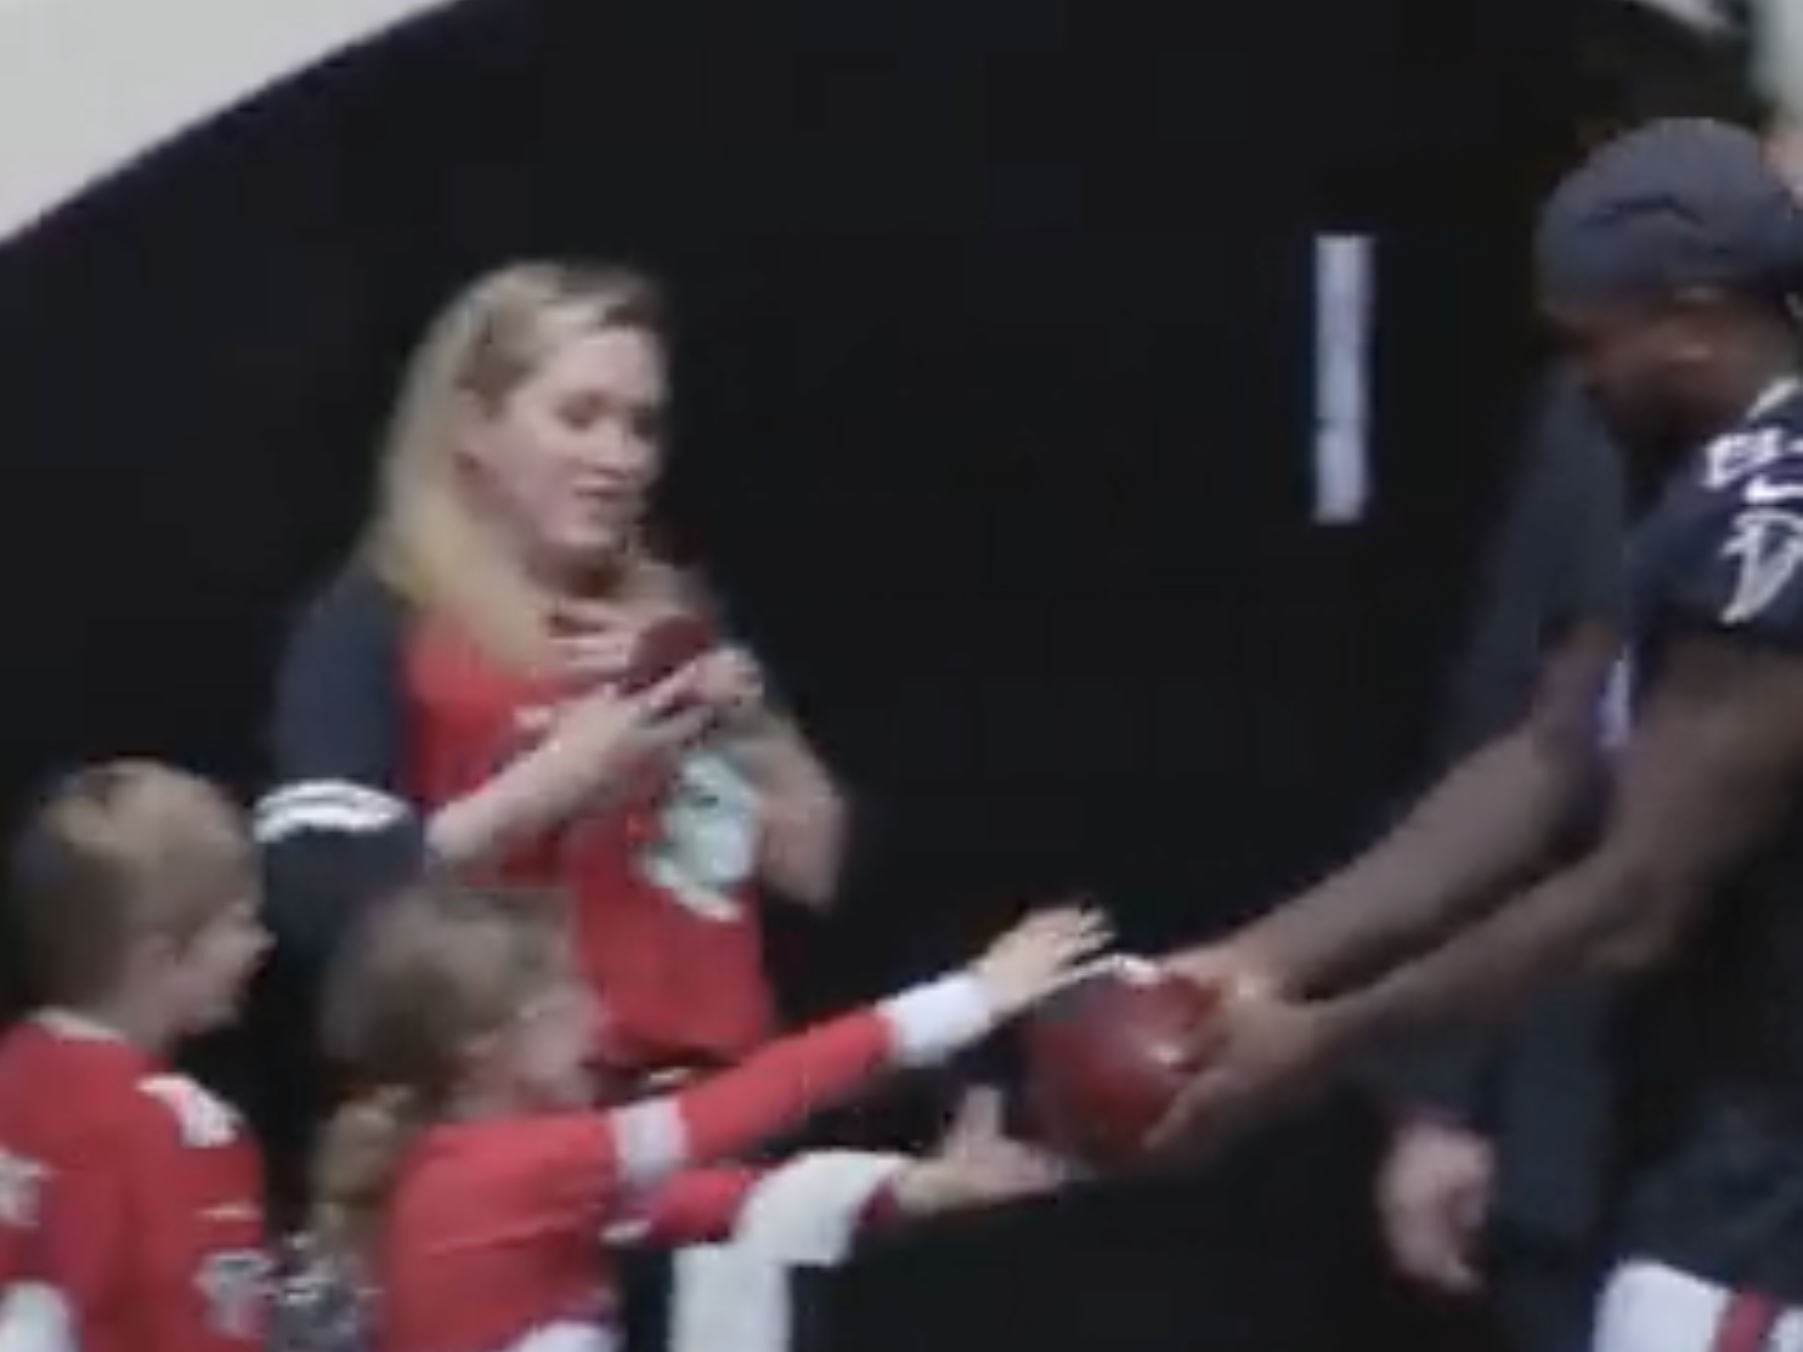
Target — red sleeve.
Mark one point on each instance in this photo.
(774, 1090)
(696, 1207)
(703, 1205)
(642, 1146)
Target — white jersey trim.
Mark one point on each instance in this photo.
(326, 807)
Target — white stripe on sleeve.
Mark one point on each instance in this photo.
(649, 1140)
(335, 807)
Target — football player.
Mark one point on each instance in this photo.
(1670, 263)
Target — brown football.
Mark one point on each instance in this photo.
(1107, 1057)
(664, 648)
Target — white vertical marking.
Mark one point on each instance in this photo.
(1345, 287)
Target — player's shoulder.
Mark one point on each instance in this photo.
(1757, 466)
(1729, 533)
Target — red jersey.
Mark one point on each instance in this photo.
(497, 1229)
(662, 883)
(130, 1198)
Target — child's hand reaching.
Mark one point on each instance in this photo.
(1038, 956)
(977, 1164)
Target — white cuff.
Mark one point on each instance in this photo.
(936, 1021)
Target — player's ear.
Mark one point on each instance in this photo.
(1698, 313)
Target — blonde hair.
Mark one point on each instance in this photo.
(436, 968)
(116, 852)
(427, 539)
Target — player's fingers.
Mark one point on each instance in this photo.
(979, 1115)
(1203, 1109)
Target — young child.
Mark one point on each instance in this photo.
(131, 1214)
(481, 1190)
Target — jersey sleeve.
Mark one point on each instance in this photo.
(639, 1149)
(1744, 575)
(334, 828)
(698, 1206)
(704, 1206)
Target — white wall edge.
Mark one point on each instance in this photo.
(88, 87)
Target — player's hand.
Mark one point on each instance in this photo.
(1434, 1192)
(1039, 955)
(977, 1164)
(1262, 1051)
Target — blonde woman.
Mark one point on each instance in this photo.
(447, 702)
(448, 697)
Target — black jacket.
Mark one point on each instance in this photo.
(1541, 1088)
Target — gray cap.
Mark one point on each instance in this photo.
(1669, 207)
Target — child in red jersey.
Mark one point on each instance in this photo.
(130, 1198)
(480, 1186)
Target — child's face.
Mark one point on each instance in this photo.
(208, 973)
(551, 1045)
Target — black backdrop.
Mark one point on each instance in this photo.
(994, 430)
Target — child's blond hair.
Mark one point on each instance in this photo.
(116, 852)
(435, 968)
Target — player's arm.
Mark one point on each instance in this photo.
(785, 1083)
(1711, 766)
(1489, 820)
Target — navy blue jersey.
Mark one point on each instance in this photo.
(1722, 1193)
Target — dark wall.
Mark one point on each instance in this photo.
(994, 430)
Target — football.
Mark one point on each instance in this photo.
(1108, 1056)
(664, 648)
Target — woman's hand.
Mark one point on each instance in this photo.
(583, 752)
(601, 735)
(595, 641)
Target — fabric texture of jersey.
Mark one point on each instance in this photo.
(130, 1198)
(1721, 1195)
(380, 719)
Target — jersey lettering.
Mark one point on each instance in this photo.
(1766, 492)
(704, 846)
(1765, 547)
(1740, 455)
